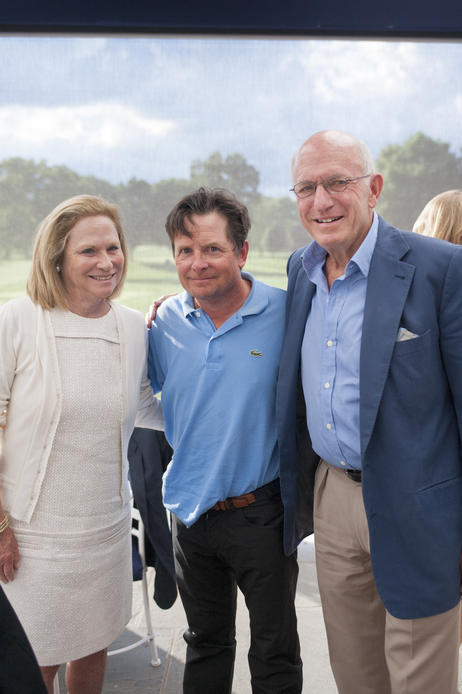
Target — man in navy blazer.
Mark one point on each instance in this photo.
(370, 385)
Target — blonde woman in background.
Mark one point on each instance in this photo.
(73, 381)
(442, 217)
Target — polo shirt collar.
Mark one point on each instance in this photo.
(255, 303)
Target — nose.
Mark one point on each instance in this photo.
(104, 261)
(321, 198)
(198, 262)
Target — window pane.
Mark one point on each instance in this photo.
(122, 117)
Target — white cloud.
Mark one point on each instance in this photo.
(380, 91)
(335, 69)
(146, 107)
(103, 125)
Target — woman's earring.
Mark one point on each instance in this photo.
(58, 268)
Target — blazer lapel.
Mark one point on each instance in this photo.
(298, 307)
(299, 294)
(388, 285)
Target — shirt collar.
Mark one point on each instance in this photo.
(363, 256)
(187, 303)
(255, 302)
(314, 256)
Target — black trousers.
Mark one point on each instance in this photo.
(224, 550)
(19, 671)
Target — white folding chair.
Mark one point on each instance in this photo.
(149, 636)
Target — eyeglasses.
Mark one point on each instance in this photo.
(306, 189)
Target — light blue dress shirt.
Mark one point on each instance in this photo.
(330, 353)
(218, 397)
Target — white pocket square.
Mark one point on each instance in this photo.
(404, 334)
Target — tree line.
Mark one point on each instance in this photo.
(414, 172)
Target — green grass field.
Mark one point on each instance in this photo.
(151, 273)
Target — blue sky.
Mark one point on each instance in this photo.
(146, 107)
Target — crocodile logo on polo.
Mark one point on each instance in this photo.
(255, 353)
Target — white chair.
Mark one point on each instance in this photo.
(149, 636)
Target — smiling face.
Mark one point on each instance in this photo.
(338, 222)
(208, 265)
(92, 264)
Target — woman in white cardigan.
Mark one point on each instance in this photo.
(72, 383)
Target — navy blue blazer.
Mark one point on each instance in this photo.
(148, 456)
(410, 420)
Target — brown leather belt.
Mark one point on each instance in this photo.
(268, 490)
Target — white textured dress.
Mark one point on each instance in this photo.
(73, 588)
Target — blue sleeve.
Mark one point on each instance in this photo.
(155, 371)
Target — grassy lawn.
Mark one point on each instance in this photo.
(151, 273)
(13, 275)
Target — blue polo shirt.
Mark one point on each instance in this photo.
(218, 397)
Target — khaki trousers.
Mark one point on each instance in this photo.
(372, 652)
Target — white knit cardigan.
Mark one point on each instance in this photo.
(30, 386)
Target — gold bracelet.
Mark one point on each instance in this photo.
(4, 524)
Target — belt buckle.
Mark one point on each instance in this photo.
(243, 500)
(355, 475)
(234, 502)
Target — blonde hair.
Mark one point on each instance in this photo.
(442, 217)
(44, 284)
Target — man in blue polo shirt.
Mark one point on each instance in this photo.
(214, 354)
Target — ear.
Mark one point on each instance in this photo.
(376, 185)
(243, 252)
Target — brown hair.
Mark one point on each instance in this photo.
(44, 284)
(205, 200)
